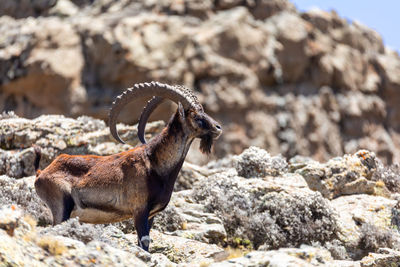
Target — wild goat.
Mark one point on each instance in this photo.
(137, 183)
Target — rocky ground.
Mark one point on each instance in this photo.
(251, 209)
(311, 84)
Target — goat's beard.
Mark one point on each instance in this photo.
(206, 143)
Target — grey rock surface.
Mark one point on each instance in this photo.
(347, 175)
(303, 256)
(22, 193)
(265, 214)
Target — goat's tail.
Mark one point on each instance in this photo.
(38, 155)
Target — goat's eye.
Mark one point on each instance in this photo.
(201, 123)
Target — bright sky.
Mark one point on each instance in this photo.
(380, 15)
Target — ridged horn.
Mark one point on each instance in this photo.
(145, 91)
(148, 109)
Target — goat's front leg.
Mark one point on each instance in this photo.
(150, 223)
(143, 229)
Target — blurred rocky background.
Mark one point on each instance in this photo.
(311, 84)
(321, 91)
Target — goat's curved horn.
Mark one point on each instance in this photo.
(148, 109)
(146, 90)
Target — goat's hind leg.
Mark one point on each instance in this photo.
(59, 202)
(68, 206)
(61, 208)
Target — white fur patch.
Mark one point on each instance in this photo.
(145, 240)
(97, 216)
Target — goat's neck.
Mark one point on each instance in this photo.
(169, 149)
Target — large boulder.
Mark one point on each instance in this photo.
(41, 65)
(269, 212)
(347, 175)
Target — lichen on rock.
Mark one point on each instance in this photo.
(347, 175)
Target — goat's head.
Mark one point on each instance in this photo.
(196, 123)
(201, 125)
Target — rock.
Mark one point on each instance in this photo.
(47, 77)
(291, 31)
(197, 224)
(313, 117)
(310, 256)
(64, 8)
(388, 66)
(303, 256)
(189, 175)
(365, 223)
(75, 230)
(25, 245)
(389, 175)
(96, 244)
(267, 213)
(176, 249)
(25, 8)
(384, 257)
(349, 175)
(346, 75)
(61, 251)
(360, 37)
(9, 219)
(256, 162)
(182, 250)
(262, 9)
(353, 107)
(354, 34)
(185, 218)
(323, 20)
(396, 215)
(21, 193)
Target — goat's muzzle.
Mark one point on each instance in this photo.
(217, 131)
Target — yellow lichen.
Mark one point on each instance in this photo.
(52, 245)
(30, 220)
(380, 183)
(242, 243)
(184, 226)
(235, 252)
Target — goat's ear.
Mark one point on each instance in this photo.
(181, 110)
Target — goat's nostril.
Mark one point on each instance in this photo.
(218, 127)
